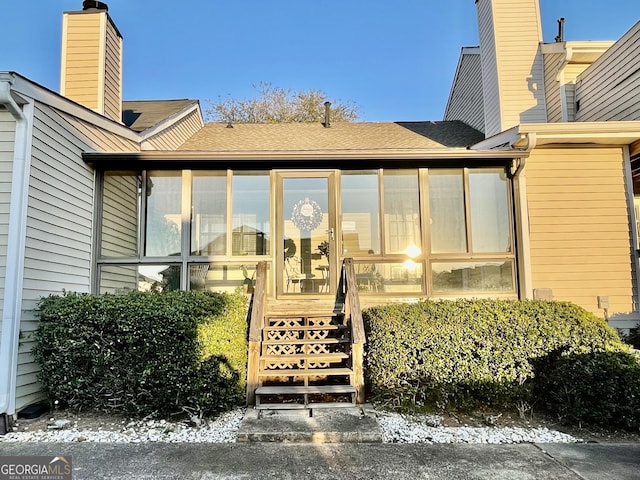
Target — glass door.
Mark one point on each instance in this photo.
(306, 229)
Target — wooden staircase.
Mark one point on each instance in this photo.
(304, 360)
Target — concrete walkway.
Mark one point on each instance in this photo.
(342, 461)
(298, 445)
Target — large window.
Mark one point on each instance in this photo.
(162, 230)
(471, 239)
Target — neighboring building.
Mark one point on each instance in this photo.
(525, 190)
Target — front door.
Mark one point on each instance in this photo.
(306, 232)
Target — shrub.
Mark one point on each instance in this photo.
(143, 353)
(465, 353)
(597, 388)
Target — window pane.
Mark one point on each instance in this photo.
(250, 207)
(360, 213)
(490, 230)
(209, 223)
(120, 208)
(487, 276)
(375, 278)
(401, 212)
(164, 213)
(143, 278)
(216, 277)
(446, 205)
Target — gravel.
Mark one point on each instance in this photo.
(395, 428)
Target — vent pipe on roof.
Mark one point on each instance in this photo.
(560, 37)
(89, 4)
(327, 114)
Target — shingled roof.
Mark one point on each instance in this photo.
(220, 137)
(140, 115)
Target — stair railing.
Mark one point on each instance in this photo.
(358, 336)
(256, 324)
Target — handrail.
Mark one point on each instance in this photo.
(256, 323)
(358, 336)
(353, 302)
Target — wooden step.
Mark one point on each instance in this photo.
(312, 372)
(306, 342)
(314, 357)
(306, 328)
(300, 389)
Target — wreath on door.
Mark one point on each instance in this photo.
(306, 215)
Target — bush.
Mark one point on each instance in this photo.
(143, 353)
(597, 388)
(633, 337)
(465, 353)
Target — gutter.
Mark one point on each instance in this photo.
(16, 239)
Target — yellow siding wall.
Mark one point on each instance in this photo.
(552, 86)
(579, 227)
(173, 137)
(510, 35)
(81, 60)
(465, 101)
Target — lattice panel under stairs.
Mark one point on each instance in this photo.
(305, 361)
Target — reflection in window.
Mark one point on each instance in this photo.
(489, 212)
(142, 278)
(164, 214)
(446, 205)
(209, 209)
(480, 276)
(392, 278)
(360, 213)
(120, 219)
(228, 277)
(401, 212)
(250, 207)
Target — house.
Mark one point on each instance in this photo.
(524, 190)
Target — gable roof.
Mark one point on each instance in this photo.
(279, 137)
(141, 115)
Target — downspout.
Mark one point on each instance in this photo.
(521, 211)
(14, 273)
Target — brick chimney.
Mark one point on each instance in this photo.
(91, 67)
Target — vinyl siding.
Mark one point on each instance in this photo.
(81, 60)
(552, 87)
(513, 72)
(465, 102)
(7, 136)
(174, 136)
(610, 88)
(490, 86)
(113, 74)
(579, 226)
(59, 222)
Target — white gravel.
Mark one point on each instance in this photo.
(416, 429)
(395, 428)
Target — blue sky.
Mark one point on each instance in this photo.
(395, 59)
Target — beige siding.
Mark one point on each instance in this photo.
(7, 135)
(512, 63)
(59, 222)
(552, 86)
(610, 88)
(579, 226)
(465, 102)
(113, 74)
(81, 59)
(174, 136)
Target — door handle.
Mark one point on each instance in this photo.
(330, 232)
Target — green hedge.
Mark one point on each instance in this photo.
(597, 388)
(465, 353)
(143, 353)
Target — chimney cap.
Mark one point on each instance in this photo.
(89, 4)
